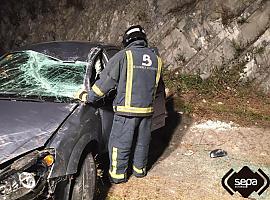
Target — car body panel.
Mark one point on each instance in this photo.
(159, 107)
(81, 127)
(25, 126)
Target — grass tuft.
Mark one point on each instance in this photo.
(222, 95)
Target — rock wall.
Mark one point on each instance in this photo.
(193, 36)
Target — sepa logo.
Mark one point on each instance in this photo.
(245, 182)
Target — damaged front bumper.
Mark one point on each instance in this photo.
(26, 177)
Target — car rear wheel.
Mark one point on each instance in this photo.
(85, 183)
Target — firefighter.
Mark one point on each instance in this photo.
(135, 71)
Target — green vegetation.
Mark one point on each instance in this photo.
(221, 80)
(241, 20)
(180, 58)
(238, 48)
(240, 111)
(222, 95)
(259, 50)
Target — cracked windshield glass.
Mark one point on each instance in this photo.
(29, 73)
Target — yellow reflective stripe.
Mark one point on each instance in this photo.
(96, 89)
(159, 70)
(117, 176)
(84, 97)
(114, 166)
(82, 94)
(158, 74)
(139, 171)
(129, 78)
(134, 109)
(114, 160)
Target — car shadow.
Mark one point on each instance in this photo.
(103, 182)
(160, 147)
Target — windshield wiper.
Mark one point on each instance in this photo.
(8, 94)
(13, 96)
(69, 61)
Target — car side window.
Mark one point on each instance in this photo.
(98, 66)
(111, 52)
(100, 63)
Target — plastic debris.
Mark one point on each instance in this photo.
(218, 153)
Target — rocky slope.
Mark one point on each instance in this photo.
(193, 36)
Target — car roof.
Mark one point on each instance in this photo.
(68, 50)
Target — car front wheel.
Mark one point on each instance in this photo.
(85, 182)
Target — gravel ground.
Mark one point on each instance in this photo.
(180, 165)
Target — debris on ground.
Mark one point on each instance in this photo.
(218, 153)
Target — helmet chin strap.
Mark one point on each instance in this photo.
(127, 42)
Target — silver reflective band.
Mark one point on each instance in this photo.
(133, 30)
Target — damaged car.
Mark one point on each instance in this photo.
(48, 140)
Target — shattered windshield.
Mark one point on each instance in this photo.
(29, 73)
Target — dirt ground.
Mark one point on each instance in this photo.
(180, 166)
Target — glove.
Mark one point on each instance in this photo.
(81, 95)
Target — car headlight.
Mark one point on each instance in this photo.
(27, 180)
(26, 174)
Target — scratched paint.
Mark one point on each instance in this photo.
(28, 73)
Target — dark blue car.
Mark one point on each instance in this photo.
(48, 139)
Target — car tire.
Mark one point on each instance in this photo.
(85, 182)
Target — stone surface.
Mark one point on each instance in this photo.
(193, 36)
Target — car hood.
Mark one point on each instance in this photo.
(25, 125)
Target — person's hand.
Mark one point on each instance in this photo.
(81, 95)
